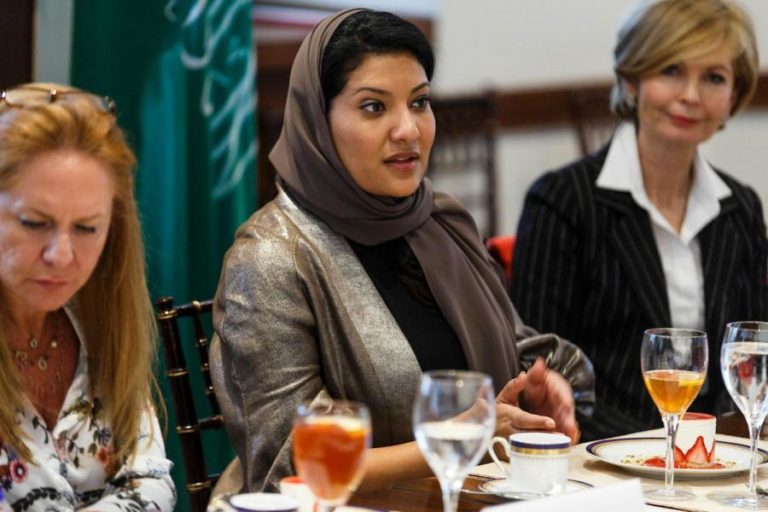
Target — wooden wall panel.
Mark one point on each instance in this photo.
(525, 108)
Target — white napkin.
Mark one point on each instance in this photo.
(626, 496)
(490, 470)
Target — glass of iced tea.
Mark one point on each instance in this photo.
(674, 365)
(330, 441)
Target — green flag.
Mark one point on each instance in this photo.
(182, 73)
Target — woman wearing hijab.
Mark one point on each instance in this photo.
(358, 277)
(645, 232)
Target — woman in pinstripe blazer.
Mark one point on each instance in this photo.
(645, 233)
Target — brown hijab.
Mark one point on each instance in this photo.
(441, 233)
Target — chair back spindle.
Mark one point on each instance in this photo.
(463, 157)
(591, 118)
(189, 424)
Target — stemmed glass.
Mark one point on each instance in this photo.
(454, 417)
(330, 441)
(674, 364)
(744, 364)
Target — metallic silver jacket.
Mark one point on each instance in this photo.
(296, 318)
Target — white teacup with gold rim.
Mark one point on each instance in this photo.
(538, 461)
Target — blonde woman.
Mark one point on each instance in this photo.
(77, 336)
(646, 232)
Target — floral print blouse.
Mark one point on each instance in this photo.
(70, 461)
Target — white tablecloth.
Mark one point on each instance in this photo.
(587, 468)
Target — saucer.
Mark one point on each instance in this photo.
(263, 502)
(628, 453)
(503, 488)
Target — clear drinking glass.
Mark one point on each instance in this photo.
(744, 364)
(454, 417)
(674, 365)
(330, 441)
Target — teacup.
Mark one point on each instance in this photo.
(695, 440)
(263, 502)
(538, 461)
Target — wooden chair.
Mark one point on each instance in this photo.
(189, 425)
(463, 158)
(734, 424)
(591, 117)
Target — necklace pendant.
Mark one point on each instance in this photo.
(42, 363)
(33, 342)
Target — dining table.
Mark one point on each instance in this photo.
(424, 496)
(585, 468)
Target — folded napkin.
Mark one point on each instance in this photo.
(490, 470)
(626, 496)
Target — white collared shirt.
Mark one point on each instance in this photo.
(680, 252)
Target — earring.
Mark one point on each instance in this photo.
(631, 101)
(724, 121)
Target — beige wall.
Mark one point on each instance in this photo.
(524, 43)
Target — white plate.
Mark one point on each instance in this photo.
(503, 488)
(619, 452)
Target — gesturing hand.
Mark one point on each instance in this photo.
(548, 398)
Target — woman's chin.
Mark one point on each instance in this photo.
(396, 191)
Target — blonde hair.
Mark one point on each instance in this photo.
(113, 305)
(660, 32)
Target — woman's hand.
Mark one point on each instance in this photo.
(547, 396)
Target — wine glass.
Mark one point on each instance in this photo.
(330, 441)
(674, 364)
(744, 364)
(454, 417)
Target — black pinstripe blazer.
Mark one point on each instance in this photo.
(586, 266)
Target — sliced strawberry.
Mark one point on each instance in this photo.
(698, 456)
(679, 458)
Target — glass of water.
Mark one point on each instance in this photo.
(744, 363)
(454, 417)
